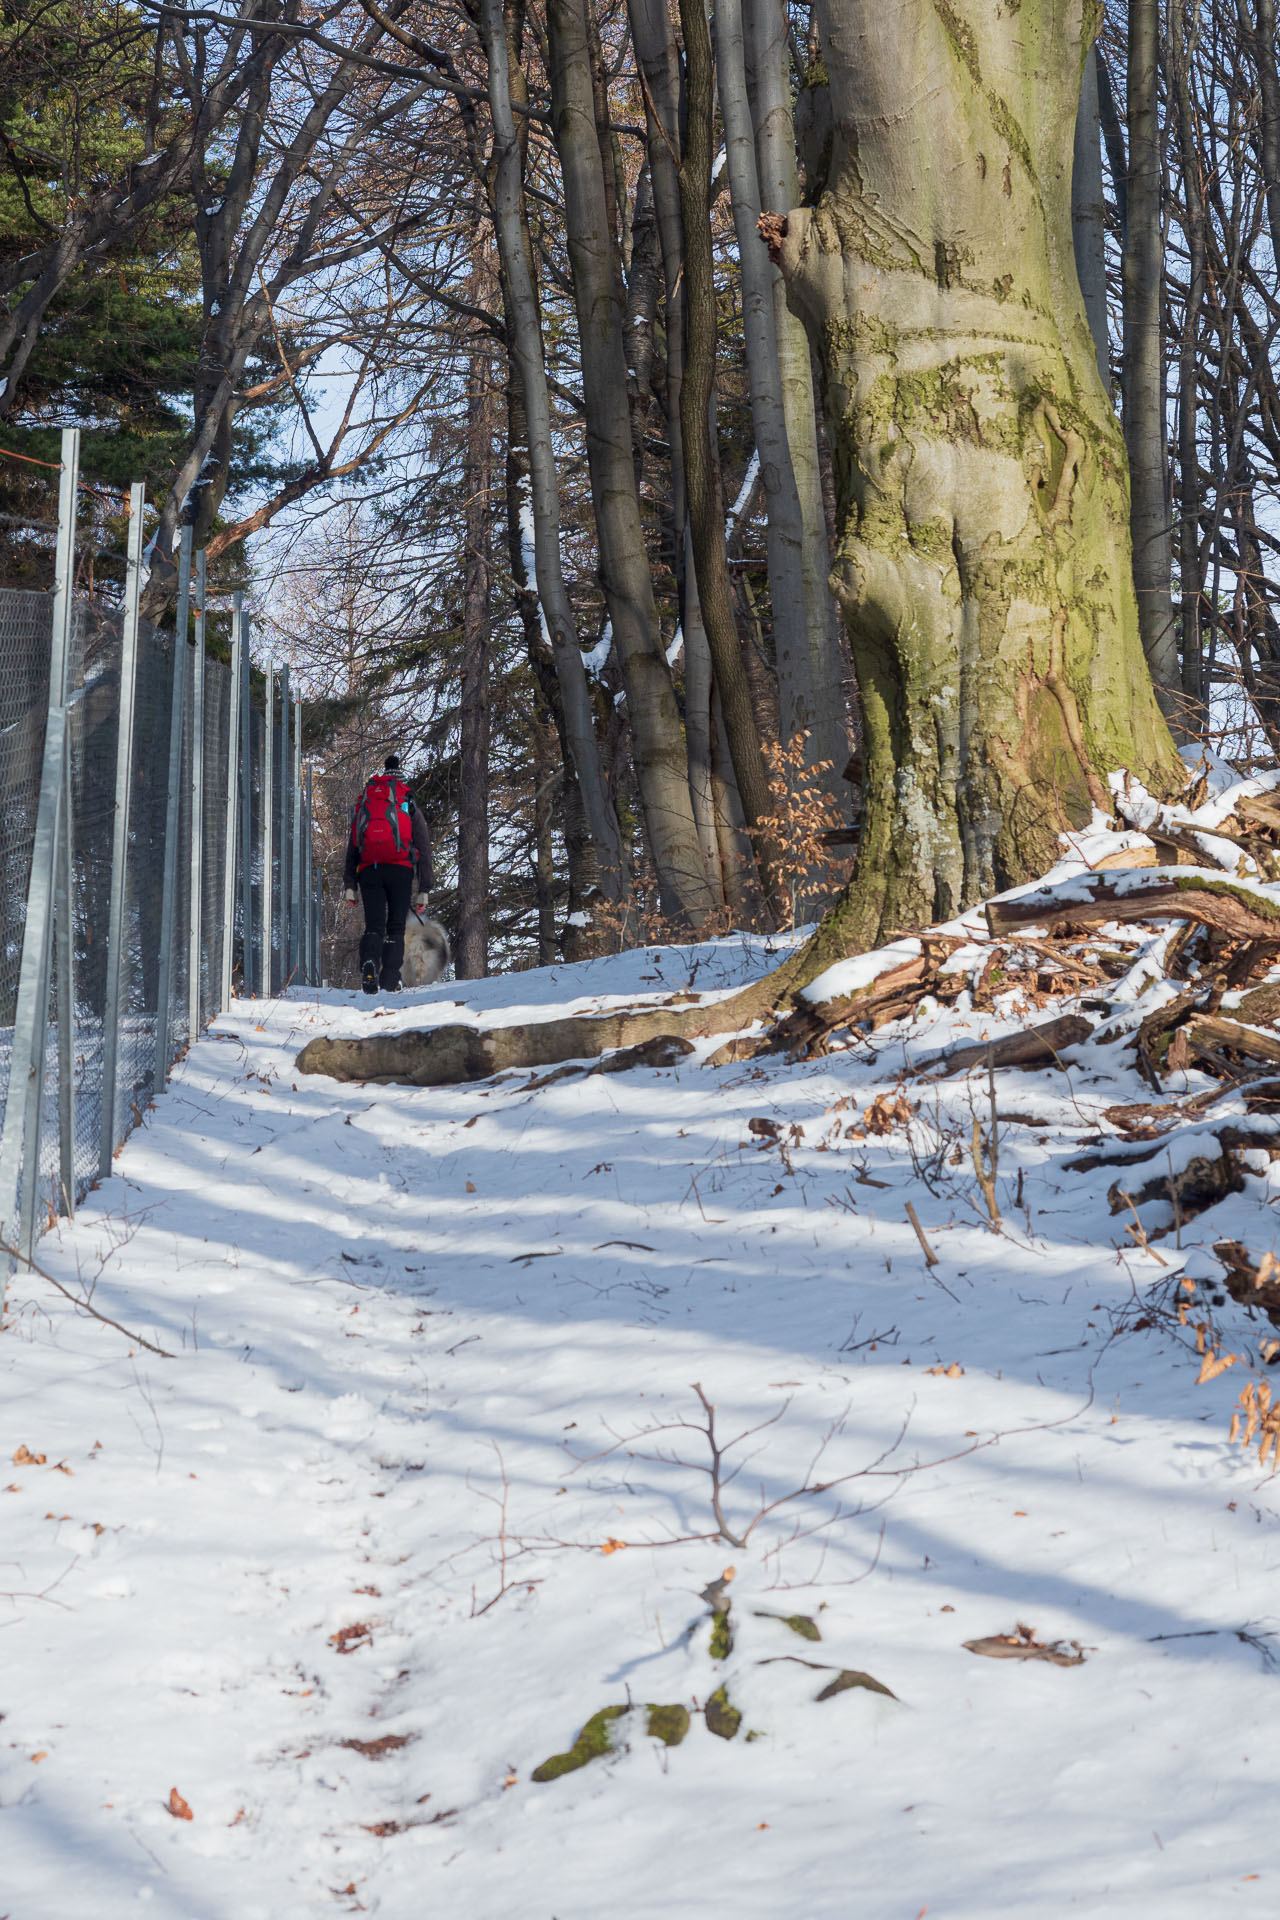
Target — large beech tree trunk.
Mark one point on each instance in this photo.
(983, 560)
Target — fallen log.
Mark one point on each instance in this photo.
(1032, 1047)
(1227, 1134)
(1250, 1282)
(1193, 1189)
(1093, 899)
(447, 1056)
(1212, 1030)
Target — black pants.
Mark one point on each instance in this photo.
(386, 892)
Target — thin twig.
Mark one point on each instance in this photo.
(83, 1305)
(930, 1257)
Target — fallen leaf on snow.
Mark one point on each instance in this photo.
(36, 1758)
(1022, 1644)
(25, 1458)
(471, 1186)
(953, 1372)
(886, 1112)
(177, 1806)
(347, 1639)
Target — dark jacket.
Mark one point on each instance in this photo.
(421, 853)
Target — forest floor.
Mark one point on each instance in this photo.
(290, 1617)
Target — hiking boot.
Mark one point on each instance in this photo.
(369, 976)
(391, 986)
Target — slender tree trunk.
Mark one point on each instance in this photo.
(546, 775)
(784, 526)
(706, 508)
(1191, 492)
(741, 875)
(659, 67)
(1144, 383)
(768, 77)
(643, 278)
(1089, 217)
(661, 772)
(983, 561)
(471, 947)
(1265, 59)
(698, 692)
(581, 852)
(524, 332)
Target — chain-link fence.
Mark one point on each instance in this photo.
(121, 930)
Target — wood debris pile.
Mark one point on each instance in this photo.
(1160, 943)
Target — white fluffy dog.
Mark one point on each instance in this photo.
(426, 952)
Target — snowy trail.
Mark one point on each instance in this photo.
(336, 1572)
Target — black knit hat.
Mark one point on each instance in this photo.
(392, 763)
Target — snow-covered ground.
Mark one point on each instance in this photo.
(424, 1486)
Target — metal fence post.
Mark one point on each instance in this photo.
(296, 959)
(304, 895)
(20, 1142)
(120, 831)
(284, 843)
(195, 925)
(173, 816)
(233, 803)
(64, 912)
(268, 824)
(315, 891)
(246, 803)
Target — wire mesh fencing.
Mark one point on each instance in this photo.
(122, 932)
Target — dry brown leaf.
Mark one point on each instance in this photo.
(1022, 1644)
(471, 1186)
(25, 1458)
(347, 1639)
(613, 1546)
(177, 1806)
(886, 1112)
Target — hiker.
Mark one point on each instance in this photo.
(388, 841)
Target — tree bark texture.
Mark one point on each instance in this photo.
(661, 773)
(471, 945)
(1144, 384)
(983, 561)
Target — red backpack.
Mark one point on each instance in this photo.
(381, 829)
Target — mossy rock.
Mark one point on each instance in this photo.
(668, 1724)
(722, 1719)
(849, 1677)
(594, 1741)
(721, 1636)
(799, 1623)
